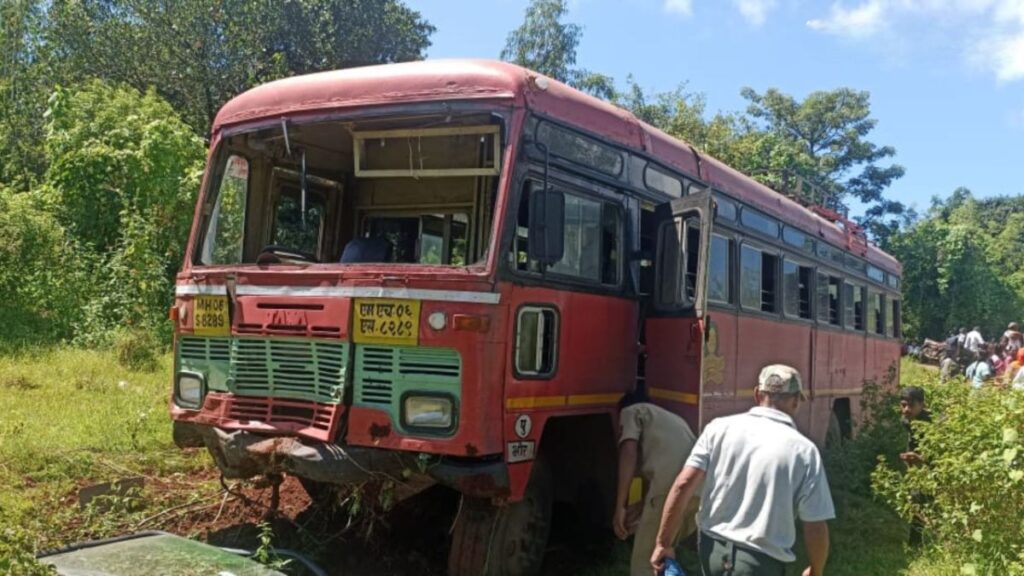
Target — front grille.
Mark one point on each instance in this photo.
(308, 418)
(296, 368)
(384, 372)
(300, 369)
(205, 349)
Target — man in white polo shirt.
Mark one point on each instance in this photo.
(759, 474)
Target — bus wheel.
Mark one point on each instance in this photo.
(322, 495)
(489, 540)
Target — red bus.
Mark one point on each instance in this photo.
(450, 272)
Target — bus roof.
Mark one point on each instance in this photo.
(448, 80)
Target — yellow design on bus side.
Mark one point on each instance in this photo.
(386, 321)
(210, 316)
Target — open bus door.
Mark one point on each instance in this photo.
(674, 322)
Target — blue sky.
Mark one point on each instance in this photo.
(946, 76)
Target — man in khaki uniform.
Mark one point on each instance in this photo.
(655, 443)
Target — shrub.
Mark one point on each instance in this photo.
(881, 435)
(974, 477)
(137, 348)
(40, 278)
(16, 557)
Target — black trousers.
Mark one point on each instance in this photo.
(721, 557)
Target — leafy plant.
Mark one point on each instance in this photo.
(973, 480)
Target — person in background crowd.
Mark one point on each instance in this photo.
(654, 443)
(979, 371)
(950, 363)
(1013, 370)
(759, 475)
(997, 361)
(961, 336)
(974, 341)
(1012, 341)
(912, 408)
(1018, 379)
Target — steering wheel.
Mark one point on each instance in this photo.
(275, 254)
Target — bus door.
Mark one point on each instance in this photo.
(674, 322)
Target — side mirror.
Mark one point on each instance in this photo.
(547, 224)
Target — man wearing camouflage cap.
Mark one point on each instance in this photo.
(759, 474)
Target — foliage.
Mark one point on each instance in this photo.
(546, 44)
(201, 53)
(39, 275)
(16, 557)
(23, 90)
(881, 435)
(973, 500)
(122, 178)
(961, 267)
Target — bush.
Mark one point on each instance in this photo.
(16, 557)
(974, 477)
(881, 435)
(41, 279)
(137, 349)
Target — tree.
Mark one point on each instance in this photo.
(828, 131)
(22, 93)
(546, 44)
(962, 266)
(199, 54)
(123, 175)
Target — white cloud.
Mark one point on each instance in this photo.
(755, 11)
(859, 22)
(990, 33)
(681, 7)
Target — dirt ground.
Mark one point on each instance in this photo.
(411, 539)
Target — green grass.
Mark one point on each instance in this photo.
(75, 417)
(72, 418)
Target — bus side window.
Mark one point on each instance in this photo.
(719, 269)
(853, 316)
(692, 257)
(828, 299)
(875, 323)
(593, 235)
(796, 289)
(892, 318)
(758, 279)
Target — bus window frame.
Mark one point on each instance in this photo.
(813, 293)
(763, 248)
(733, 286)
(831, 273)
(565, 182)
(852, 327)
(209, 204)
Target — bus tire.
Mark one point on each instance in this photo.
(489, 540)
(322, 495)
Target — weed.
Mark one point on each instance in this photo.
(136, 348)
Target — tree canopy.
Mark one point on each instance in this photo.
(547, 44)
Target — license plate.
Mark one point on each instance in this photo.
(210, 316)
(385, 321)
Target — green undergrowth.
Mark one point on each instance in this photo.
(72, 418)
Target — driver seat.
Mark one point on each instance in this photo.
(366, 250)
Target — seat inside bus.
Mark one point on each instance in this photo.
(410, 190)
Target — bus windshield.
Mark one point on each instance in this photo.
(396, 191)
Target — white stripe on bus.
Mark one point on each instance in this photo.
(343, 291)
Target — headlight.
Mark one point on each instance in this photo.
(189, 390)
(433, 412)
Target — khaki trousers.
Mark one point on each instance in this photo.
(647, 532)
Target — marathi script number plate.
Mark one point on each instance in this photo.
(210, 316)
(385, 321)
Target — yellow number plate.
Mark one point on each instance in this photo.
(210, 316)
(384, 321)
